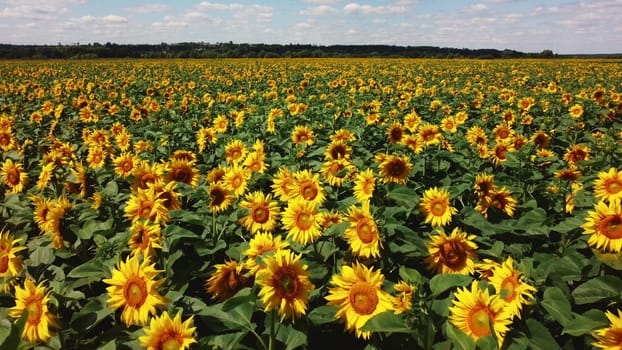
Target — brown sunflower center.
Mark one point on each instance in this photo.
(365, 231)
(500, 152)
(4, 263)
(236, 181)
(611, 226)
(135, 292)
(438, 207)
(338, 152)
(146, 179)
(453, 254)
(260, 213)
(127, 165)
(182, 175)
(35, 309)
(5, 139)
(308, 190)
(304, 221)
(508, 288)
(363, 298)
(479, 321)
(12, 177)
(217, 196)
(396, 168)
(145, 209)
(286, 283)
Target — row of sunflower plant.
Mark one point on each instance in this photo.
(283, 204)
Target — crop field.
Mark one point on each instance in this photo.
(307, 204)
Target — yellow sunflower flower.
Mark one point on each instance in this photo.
(236, 180)
(394, 168)
(300, 219)
(145, 238)
(34, 299)
(146, 204)
(14, 176)
(453, 254)
(364, 185)
(610, 338)
(235, 151)
(281, 184)
(182, 170)
(474, 311)
(362, 234)
(403, 301)
(166, 333)
(306, 186)
(436, 207)
(260, 244)
(134, 288)
(604, 225)
(358, 294)
(10, 261)
(220, 197)
(263, 212)
(608, 185)
(228, 279)
(510, 288)
(285, 284)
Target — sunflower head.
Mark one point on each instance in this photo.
(453, 254)
(34, 300)
(166, 333)
(228, 279)
(436, 206)
(610, 338)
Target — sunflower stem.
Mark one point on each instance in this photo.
(272, 329)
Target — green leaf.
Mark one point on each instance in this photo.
(92, 227)
(14, 338)
(540, 337)
(585, 323)
(410, 275)
(405, 197)
(441, 283)
(570, 224)
(227, 341)
(387, 321)
(291, 337)
(557, 305)
(459, 339)
(598, 289)
(322, 315)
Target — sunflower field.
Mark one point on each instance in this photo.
(300, 204)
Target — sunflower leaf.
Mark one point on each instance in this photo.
(585, 323)
(598, 289)
(557, 305)
(458, 338)
(387, 321)
(441, 283)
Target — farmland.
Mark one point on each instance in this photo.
(287, 203)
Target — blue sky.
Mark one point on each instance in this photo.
(564, 26)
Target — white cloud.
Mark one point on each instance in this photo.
(369, 9)
(148, 8)
(322, 10)
(32, 12)
(324, 2)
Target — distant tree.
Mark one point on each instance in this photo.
(546, 54)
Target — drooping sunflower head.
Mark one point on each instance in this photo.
(453, 254)
(181, 170)
(435, 205)
(395, 168)
(395, 132)
(260, 244)
(166, 333)
(285, 284)
(14, 176)
(484, 184)
(10, 261)
(228, 279)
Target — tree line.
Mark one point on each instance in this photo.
(234, 50)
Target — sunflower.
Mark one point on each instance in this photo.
(57, 209)
(281, 184)
(45, 175)
(395, 132)
(413, 142)
(285, 284)
(436, 207)
(14, 176)
(7, 140)
(338, 149)
(145, 238)
(610, 338)
(329, 218)
(300, 219)
(236, 180)
(260, 244)
(336, 171)
(476, 136)
(205, 136)
(133, 287)
(430, 134)
(228, 279)
(146, 204)
(220, 124)
(255, 162)
(571, 174)
(263, 212)
(303, 135)
(453, 254)
(394, 168)
(146, 173)
(124, 164)
(604, 225)
(499, 198)
(77, 182)
(499, 153)
(484, 184)
(608, 186)
(10, 262)
(511, 289)
(34, 299)
(502, 132)
(403, 301)
(358, 294)
(220, 197)
(181, 170)
(96, 157)
(577, 153)
(235, 151)
(362, 234)
(479, 314)
(306, 186)
(166, 333)
(343, 135)
(166, 192)
(364, 185)
(576, 111)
